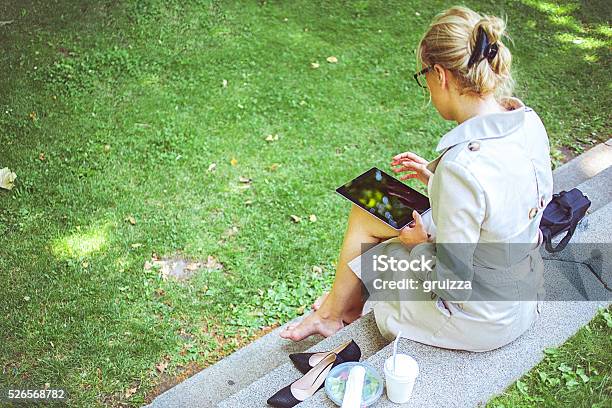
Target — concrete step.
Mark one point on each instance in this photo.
(591, 244)
(598, 188)
(365, 333)
(451, 378)
(265, 362)
(583, 167)
(233, 373)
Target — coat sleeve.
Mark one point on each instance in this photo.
(458, 204)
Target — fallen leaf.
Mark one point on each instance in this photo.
(312, 218)
(332, 59)
(7, 179)
(248, 202)
(130, 391)
(212, 167)
(213, 263)
(243, 179)
(107, 148)
(85, 264)
(164, 271)
(317, 269)
(26, 298)
(295, 218)
(314, 65)
(41, 156)
(234, 161)
(131, 220)
(33, 116)
(230, 232)
(161, 367)
(272, 138)
(136, 245)
(274, 166)
(225, 83)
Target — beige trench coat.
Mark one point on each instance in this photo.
(491, 183)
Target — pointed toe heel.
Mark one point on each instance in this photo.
(349, 351)
(305, 387)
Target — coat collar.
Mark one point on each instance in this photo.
(489, 126)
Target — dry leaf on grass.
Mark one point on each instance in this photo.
(245, 180)
(312, 218)
(212, 167)
(317, 269)
(7, 179)
(332, 59)
(274, 166)
(213, 263)
(161, 367)
(295, 218)
(131, 220)
(130, 391)
(314, 65)
(225, 83)
(41, 156)
(230, 232)
(272, 138)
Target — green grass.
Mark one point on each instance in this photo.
(126, 102)
(577, 374)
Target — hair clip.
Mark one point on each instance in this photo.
(491, 52)
(482, 49)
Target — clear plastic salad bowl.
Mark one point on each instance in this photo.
(335, 383)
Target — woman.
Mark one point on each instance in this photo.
(487, 189)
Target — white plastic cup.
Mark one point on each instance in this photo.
(400, 382)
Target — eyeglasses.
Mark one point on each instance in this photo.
(422, 72)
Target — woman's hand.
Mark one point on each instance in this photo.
(410, 162)
(415, 234)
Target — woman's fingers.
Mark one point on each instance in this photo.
(409, 176)
(408, 156)
(409, 166)
(418, 221)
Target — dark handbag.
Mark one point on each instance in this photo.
(562, 214)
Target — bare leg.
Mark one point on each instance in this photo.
(344, 301)
(317, 303)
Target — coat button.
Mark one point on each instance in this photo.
(542, 202)
(532, 213)
(474, 146)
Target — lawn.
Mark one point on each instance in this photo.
(201, 130)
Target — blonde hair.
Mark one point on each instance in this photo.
(450, 40)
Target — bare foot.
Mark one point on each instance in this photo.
(317, 303)
(312, 324)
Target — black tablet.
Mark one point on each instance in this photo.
(385, 197)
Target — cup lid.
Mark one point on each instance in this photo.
(406, 366)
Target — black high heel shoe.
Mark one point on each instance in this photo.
(305, 387)
(349, 351)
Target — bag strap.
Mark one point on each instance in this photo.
(563, 243)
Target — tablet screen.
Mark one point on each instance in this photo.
(385, 197)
